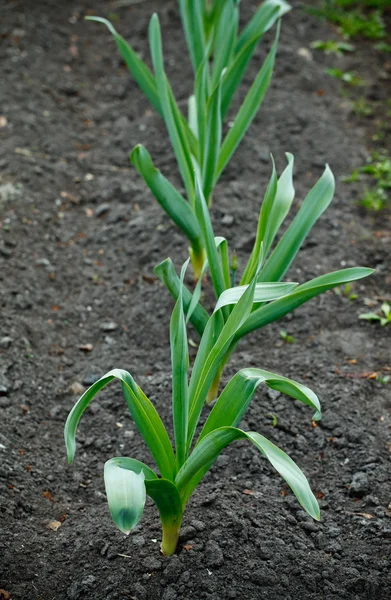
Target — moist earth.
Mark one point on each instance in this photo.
(80, 235)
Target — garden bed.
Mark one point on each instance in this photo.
(80, 235)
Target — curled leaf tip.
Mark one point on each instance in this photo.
(126, 495)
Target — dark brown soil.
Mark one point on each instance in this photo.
(80, 235)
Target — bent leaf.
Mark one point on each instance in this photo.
(144, 415)
(239, 391)
(141, 73)
(211, 445)
(166, 194)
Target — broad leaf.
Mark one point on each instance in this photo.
(279, 308)
(126, 494)
(264, 292)
(238, 393)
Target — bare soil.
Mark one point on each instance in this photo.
(80, 235)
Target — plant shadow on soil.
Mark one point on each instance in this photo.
(80, 235)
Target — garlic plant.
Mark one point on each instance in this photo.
(271, 259)
(219, 55)
(180, 467)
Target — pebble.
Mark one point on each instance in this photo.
(173, 570)
(152, 564)
(5, 342)
(198, 525)
(6, 252)
(5, 385)
(102, 209)
(90, 378)
(5, 402)
(187, 533)
(77, 388)
(109, 326)
(228, 220)
(359, 486)
(213, 554)
(55, 411)
(264, 576)
(23, 302)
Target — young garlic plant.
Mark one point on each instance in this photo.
(271, 260)
(220, 56)
(182, 467)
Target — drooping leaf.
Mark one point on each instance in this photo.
(166, 194)
(141, 73)
(238, 393)
(144, 415)
(212, 444)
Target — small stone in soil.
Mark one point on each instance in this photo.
(4, 385)
(359, 486)
(6, 252)
(5, 342)
(90, 379)
(187, 533)
(77, 388)
(23, 302)
(109, 326)
(228, 220)
(5, 402)
(213, 554)
(152, 564)
(102, 209)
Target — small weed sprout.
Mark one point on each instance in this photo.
(332, 47)
(383, 315)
